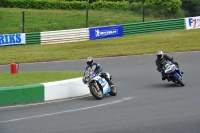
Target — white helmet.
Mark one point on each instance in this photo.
(90, 61)
(160, 54)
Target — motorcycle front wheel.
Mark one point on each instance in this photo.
(179, 81)
(98, 94)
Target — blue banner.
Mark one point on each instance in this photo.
(106, 32)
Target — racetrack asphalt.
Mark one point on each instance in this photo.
(144, 103)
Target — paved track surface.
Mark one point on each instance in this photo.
(144, 103)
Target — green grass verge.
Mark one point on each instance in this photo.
(35, 77)
(49, 20)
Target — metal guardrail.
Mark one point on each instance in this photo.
(64, 36)
(146, 27)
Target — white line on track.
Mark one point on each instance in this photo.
(67, 111)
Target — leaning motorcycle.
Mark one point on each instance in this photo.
(170, 70)
(98, 86)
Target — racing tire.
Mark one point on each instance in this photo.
(179, 81)
(113, 91)
(98, 94)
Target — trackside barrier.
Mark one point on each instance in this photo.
(21, 94)
(93, 33)
(147, 27)
(33, 38)
(65, 89)
(64, 36)
(42, 92)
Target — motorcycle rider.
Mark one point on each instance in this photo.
(97, 69)
(162, 57)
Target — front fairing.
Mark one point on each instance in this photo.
(104, 84)
(170, 70)
(168, 67)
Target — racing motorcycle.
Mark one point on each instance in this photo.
(170, 70)
(98, 86)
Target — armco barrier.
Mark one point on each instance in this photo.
(63, 36)
(33, 38)
(147, 27)
(42, 92)
(83, 34)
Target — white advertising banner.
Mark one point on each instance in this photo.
(12, 39)
(192, 22)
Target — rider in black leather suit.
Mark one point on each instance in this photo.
(162, 57)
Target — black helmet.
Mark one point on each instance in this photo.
(90, 61)
(160, 54)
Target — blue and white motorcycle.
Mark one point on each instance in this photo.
(98, 86)
(170, 70)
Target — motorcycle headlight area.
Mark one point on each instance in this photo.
(87, 78)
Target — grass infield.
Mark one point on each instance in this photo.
(35, 77)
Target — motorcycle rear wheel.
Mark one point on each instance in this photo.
(98, 94)
(113, 91)
(179, 81)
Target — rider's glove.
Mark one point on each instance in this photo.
(84, 81)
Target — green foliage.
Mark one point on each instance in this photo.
(110, 5)
(44, 4)
(191, 7)
(156, 8)
(171, 6)
(136, 7)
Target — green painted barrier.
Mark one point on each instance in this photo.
(154, 26)
(21, 94)
(33, 38)
(11, 95)
(33, 93)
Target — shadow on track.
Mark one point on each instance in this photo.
(164, 85)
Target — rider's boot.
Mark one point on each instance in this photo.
(110, 82)
(168, 79)
(181, 72)
(163, 78)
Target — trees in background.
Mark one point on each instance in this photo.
(191, 7)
